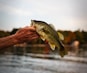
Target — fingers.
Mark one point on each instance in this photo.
(27, 33)
(34, 37)
(30, 28)
(26, 29)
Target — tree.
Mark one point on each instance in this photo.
(13, 31)
(4, 33)
(79, 36)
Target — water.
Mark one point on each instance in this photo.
(26, 64)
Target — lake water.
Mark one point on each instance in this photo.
(26, 64)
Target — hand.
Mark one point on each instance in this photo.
(26, 34)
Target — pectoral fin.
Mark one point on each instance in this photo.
(51, 25)
(52, 46)
(42, 38)
(60, 36)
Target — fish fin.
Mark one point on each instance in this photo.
(42, 38)
(60, 36)
(62, 52)
(52, 46)
(52, 26)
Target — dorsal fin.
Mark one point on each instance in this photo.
(51, 25)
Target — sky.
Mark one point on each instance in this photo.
(63, 14)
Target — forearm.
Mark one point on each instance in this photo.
(8, 41)
(26, 34)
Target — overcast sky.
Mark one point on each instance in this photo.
(63, 14)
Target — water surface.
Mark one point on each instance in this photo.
(26, 64)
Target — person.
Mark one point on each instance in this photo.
(22, 35)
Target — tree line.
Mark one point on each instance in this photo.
(69, 36)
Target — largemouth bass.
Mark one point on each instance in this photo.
(49, 34)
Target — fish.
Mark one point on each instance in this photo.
(47, 32)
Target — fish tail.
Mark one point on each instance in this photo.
(62, 51)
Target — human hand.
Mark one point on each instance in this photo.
(26, 34)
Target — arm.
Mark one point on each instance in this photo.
(7, 41)
(23, 35)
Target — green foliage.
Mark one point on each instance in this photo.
(84, 36)
(70, 36)
(4, 33)
(13, 31)
(79, 36)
